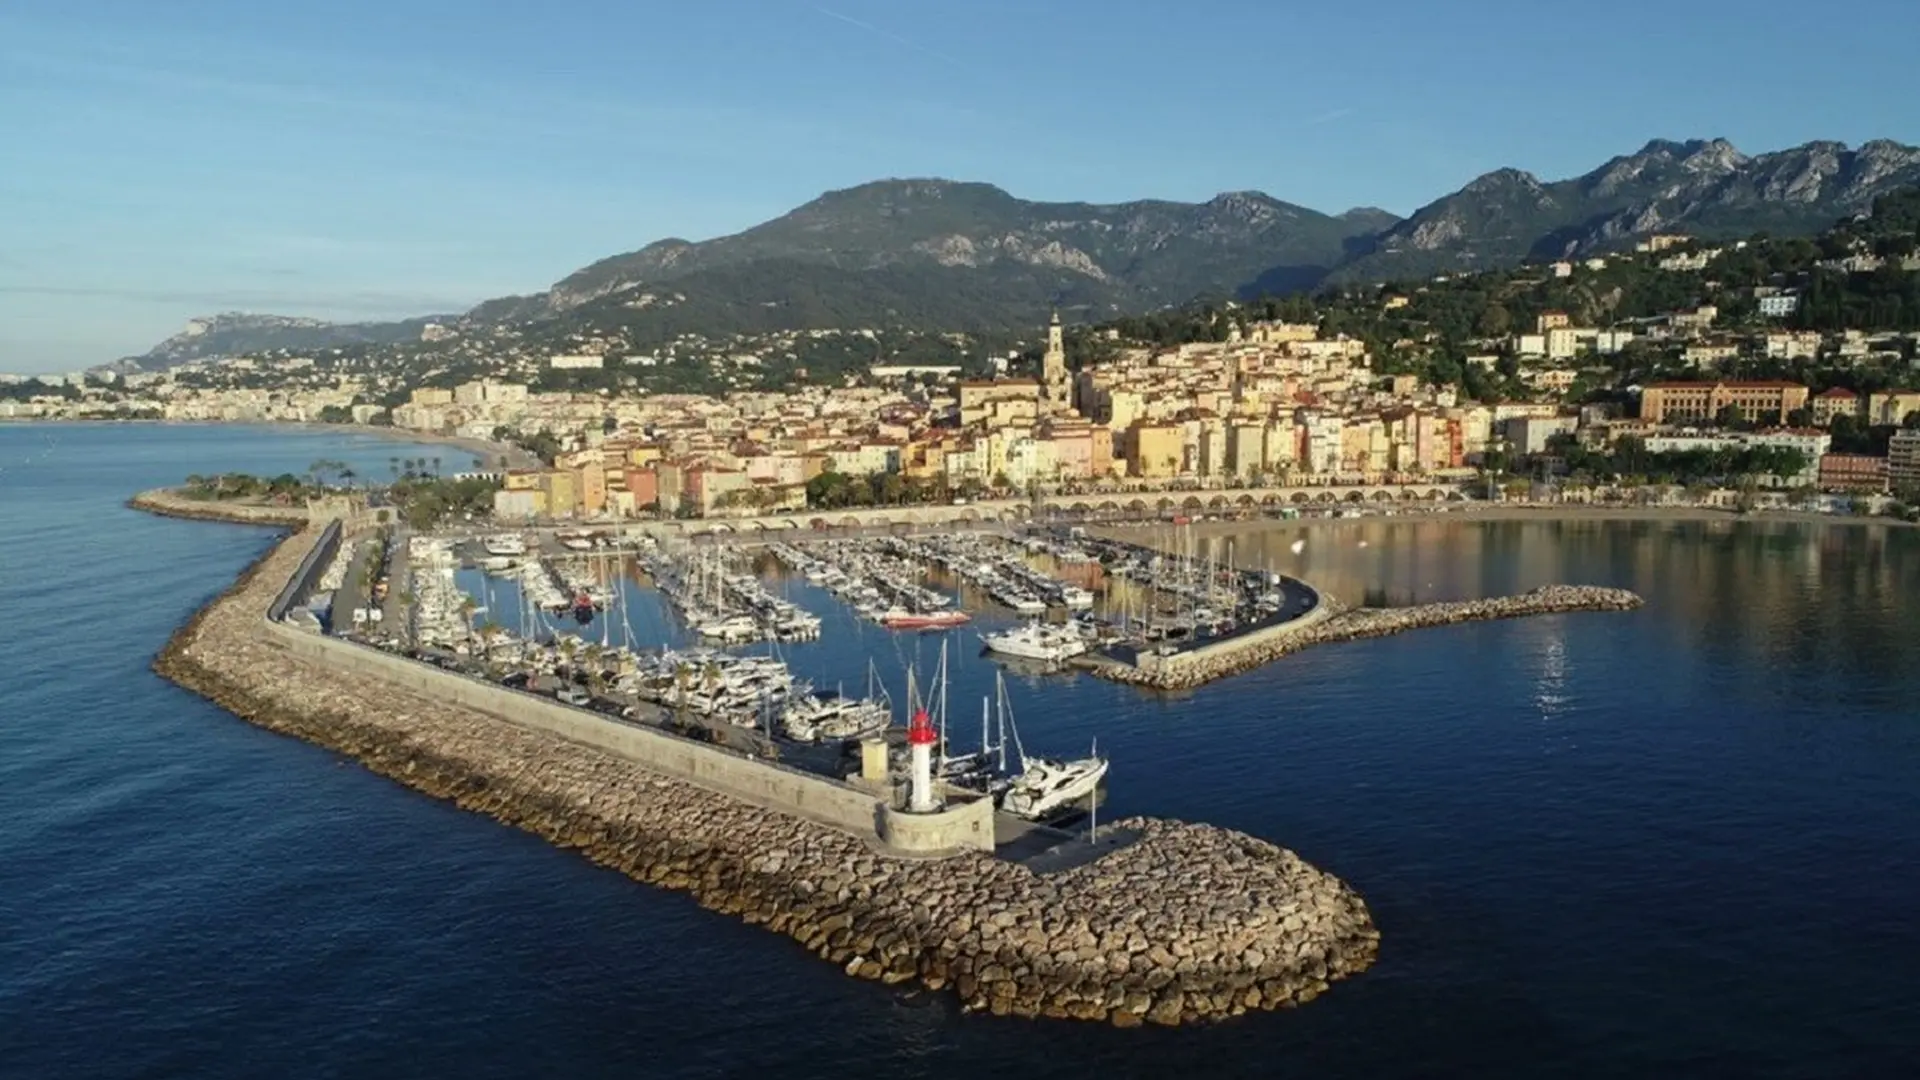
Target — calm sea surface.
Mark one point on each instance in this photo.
(1680, 842)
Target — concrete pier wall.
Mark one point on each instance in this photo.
(763, 783)
(965, 826)
(299, 588)
(1174, 664)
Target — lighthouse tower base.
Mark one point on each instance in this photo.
(955, 828)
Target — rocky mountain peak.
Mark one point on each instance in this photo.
(1713, 156)
(1502, 181)
(1253, 207)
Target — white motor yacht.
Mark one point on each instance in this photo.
(505, 544)
(1037, 641)
(1074, 596)
(1046, 785)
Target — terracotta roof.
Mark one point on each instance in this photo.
(1839, 393)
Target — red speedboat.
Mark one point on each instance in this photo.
(923, 620)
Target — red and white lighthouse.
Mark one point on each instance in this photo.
(921, 798)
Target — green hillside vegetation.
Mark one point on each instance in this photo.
(1445, 321)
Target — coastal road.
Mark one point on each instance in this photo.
(349, 597)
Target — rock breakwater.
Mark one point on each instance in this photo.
(167, 502)
(1236, 655)
(1189, 923)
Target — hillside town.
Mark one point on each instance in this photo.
(1263, 403)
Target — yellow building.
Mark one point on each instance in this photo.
(1892, 406)
(1278, 333)
(563, 492)
(1155, 451)
(719, 488)
(978, 396)
(641, 455)
(591, 483)
(1247, 449)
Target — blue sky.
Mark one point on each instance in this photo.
(362, 159)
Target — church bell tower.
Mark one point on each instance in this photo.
(1056, 386)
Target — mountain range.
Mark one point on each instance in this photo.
(946, 255)
(235, 332)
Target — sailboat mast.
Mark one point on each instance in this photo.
(1000, 717)
(986, 733)
(1093, 801)
(943, 703)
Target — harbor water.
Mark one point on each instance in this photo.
(1683, 841)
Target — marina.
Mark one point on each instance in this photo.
(898, 872)
(479, 656)
(702, 643)
(500, 630)
(876, 581)
(720, 645)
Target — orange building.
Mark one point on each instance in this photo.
(1853, 472)
(643, 486)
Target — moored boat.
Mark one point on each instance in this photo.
(1037, 641)
(898, 619)
(505, 544)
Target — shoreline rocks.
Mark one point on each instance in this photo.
(167, 502)
(1187, 924)
(1232, 657)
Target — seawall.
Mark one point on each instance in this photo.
(1328, 625)
(1188, 923)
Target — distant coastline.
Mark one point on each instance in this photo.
(487, 448)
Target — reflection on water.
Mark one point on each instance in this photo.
(1423, 560)
(1784, 594)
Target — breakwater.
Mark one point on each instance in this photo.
(1185, 923)
(1330, 624)
(167, 502)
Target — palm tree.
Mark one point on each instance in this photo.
(596, 675)
(393, 466)
(682, 679)
(467, 608)
(490, 632)
(436, 465)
